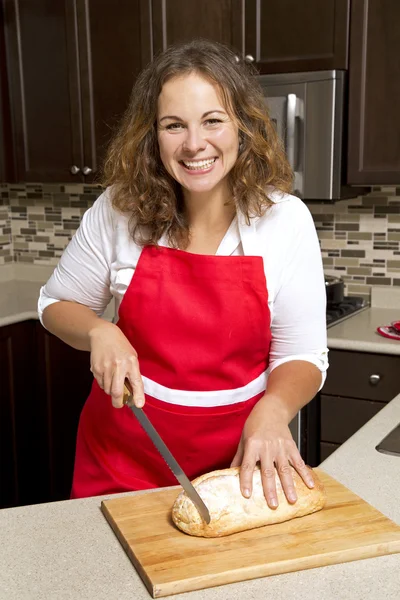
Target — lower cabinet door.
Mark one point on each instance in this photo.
(64, 382)
(21, 427)
(43, 386)
(342, 417)
(326, 449)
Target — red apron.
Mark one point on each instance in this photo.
(201, 328)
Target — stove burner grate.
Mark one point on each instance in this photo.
(349, 306)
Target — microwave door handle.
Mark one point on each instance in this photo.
(293, 111)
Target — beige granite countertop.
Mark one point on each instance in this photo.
(20, 287)
(359, 331)
(67, 551)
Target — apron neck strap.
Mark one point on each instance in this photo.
(248, 236)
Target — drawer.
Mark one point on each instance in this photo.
(351, 374)
(326, 449)
(342, 417)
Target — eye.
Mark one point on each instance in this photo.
(174, 126)
(213, 121)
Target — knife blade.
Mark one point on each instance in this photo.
(166, 454)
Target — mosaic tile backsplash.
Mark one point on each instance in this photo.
(360, 238)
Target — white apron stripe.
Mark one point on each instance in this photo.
(213, 398)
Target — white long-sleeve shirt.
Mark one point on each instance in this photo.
(101, 259)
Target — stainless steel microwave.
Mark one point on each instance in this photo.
(308, 110)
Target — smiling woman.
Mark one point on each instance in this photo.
(193, 98)
(194, 145)
(217, 276)
(198, 149)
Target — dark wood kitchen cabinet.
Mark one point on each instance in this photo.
(278, 37)
(284, 36)
(20, 420)
(175, 21)
(6, 146)
(358, 386)
(43, 386)
(64, 380)
(71, 66)
(374, 93)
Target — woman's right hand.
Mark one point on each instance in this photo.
(112, 359)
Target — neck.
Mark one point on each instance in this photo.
(212, 210)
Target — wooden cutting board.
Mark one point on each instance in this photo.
(170, 562)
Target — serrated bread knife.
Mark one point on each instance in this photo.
(165, 453)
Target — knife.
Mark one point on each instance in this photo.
(166, 454)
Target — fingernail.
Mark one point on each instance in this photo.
(139, 402)
(273, 502)
(246, 493)
(310, 483)
(292, 497)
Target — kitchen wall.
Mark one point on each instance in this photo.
(38, 220)
(360, 238)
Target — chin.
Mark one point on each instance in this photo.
(198, 189)
(202, 186)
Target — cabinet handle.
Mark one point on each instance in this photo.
(249, 58)
(74, 170)
(374, 379)
(86, 170)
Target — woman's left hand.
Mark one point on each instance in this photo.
(266, 438)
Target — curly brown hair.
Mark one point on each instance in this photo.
(141, 185)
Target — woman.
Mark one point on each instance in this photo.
(217, 276)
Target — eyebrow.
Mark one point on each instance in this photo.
(209, 112)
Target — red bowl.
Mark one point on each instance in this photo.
(389, 332)
(396, 325)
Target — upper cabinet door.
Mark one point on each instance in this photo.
(44, 88)
(111, 54)
(374, 117)
(284, 36)
(174, 21)
(6, 146)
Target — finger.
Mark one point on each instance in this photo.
(97, 374)
(237, 459)
(285, 475)
(246, 474)
(303, 470)
(106, 379)
(268, 476)
(117, 386)
(135, 379)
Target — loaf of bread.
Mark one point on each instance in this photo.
(230, 512)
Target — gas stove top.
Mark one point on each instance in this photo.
(350, 306)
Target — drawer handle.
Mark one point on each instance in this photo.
(374, 379)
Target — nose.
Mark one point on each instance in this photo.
(194, 140)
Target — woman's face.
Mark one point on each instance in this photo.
(198, 141)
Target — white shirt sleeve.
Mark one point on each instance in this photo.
(83, 272)
(298, 325)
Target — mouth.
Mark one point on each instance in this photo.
(198, 165)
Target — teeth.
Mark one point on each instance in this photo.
(198, 164)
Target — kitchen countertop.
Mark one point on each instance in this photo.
(21, 286)
(358, 332)
(20, 289)
(67, 551)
